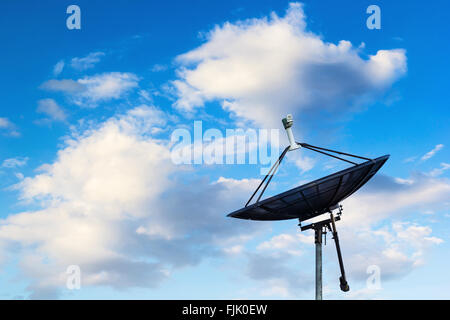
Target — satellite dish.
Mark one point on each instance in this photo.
(313, 199)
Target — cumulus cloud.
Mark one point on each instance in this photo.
(261, 69)
(401, 246)
(87, 62)
(421, 192)
(396, 247)
(91, 90)
(108, 86)
(395, 250)
(50, 108)
(114, 204)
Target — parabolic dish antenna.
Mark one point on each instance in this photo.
(313, 199)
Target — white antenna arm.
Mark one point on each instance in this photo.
(287, 123)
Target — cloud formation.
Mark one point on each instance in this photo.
(439, 171)
(279, 278)
(91, 90)
(8, 128)
(87, 62)
(431, 153)
(14, 162)
(114, 204)
(418, 192)
(262, 69)
(396, 247)
(58, 68)
(50, 108)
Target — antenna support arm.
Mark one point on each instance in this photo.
(343, 281)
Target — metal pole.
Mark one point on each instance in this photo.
(318, 242)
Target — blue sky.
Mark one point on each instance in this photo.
(85, 146)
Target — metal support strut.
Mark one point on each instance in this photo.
(343, 281)
(320, 229)
(269, 175)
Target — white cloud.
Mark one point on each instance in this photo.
(386, 197)
(145, 95)
(402, 247)
(58, 68)
(262, 69)
(234, 250)
(431, 153)
(91, 90)
(19, 175)
(439, 171)
(159, 68)
(50, 108)
(114, 204)
(287, 243)
(14, 162)
(397, 248)
(108, 86)
(79, 64)
(5, 123)
(404, 181)
(410, 159)
(87, 62)
(8, 127)
(230, 183)
(416, 235)
(88, 163)
(304, 163)
(65, 85)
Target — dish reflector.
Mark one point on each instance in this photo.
(314, 198)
